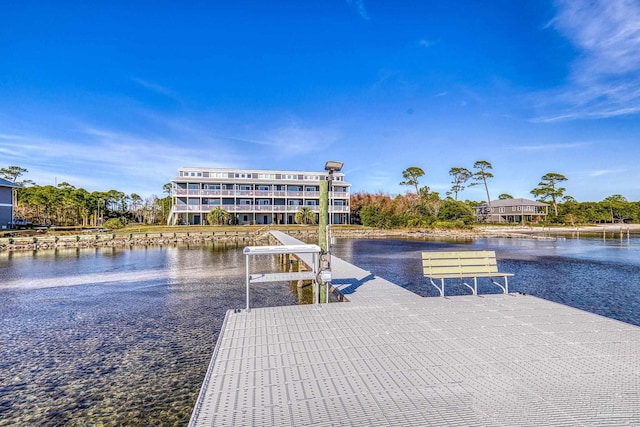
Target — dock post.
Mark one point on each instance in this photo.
(247, 280)
(324, 215)
(323, 237)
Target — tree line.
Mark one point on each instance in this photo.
(425, 208)
(66, 205)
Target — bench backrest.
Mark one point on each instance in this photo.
(459, 264)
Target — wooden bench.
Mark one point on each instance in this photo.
(463, 265)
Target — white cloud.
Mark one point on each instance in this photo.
(426, 43)
(602, 172)
(295, 141)
(99, 159)
(551, 147)
(154, 87)
(605, 78)
(358, 5)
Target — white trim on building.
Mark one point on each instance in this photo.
(254, 196)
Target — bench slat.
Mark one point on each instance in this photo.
(473, 270)
(465, 261)
(461, 254)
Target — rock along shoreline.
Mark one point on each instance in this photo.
(261, 237)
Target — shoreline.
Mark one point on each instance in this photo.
(252, 236)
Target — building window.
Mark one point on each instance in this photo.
(501, 210)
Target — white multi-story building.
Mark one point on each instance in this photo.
(254, 196)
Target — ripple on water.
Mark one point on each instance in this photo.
(131, 352)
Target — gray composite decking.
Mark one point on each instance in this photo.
(389, 357)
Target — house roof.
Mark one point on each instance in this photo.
(5, 183)
(516, 202)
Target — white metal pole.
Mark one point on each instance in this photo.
(247, 279)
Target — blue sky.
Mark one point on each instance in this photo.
(118, 95)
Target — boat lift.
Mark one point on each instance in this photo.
(313, 250)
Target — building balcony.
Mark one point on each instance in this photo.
(256, 193)
(254, 208)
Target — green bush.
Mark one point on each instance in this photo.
(449, 225)
(114, 223)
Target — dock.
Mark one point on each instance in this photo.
(389, 357)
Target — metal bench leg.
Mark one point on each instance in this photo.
(474, 288)
(505, 288)
(440, 289)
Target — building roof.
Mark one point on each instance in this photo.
(516, 202)
(318, 174)
(5, 183)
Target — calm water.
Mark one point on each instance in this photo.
(124, 336)
(115, 336)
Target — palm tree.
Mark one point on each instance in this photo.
(218, 216)
(305, 216)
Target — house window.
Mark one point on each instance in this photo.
(501, 210)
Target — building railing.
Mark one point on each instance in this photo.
(255, 193)
(254, 208)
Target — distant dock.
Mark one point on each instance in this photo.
(389, 357)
